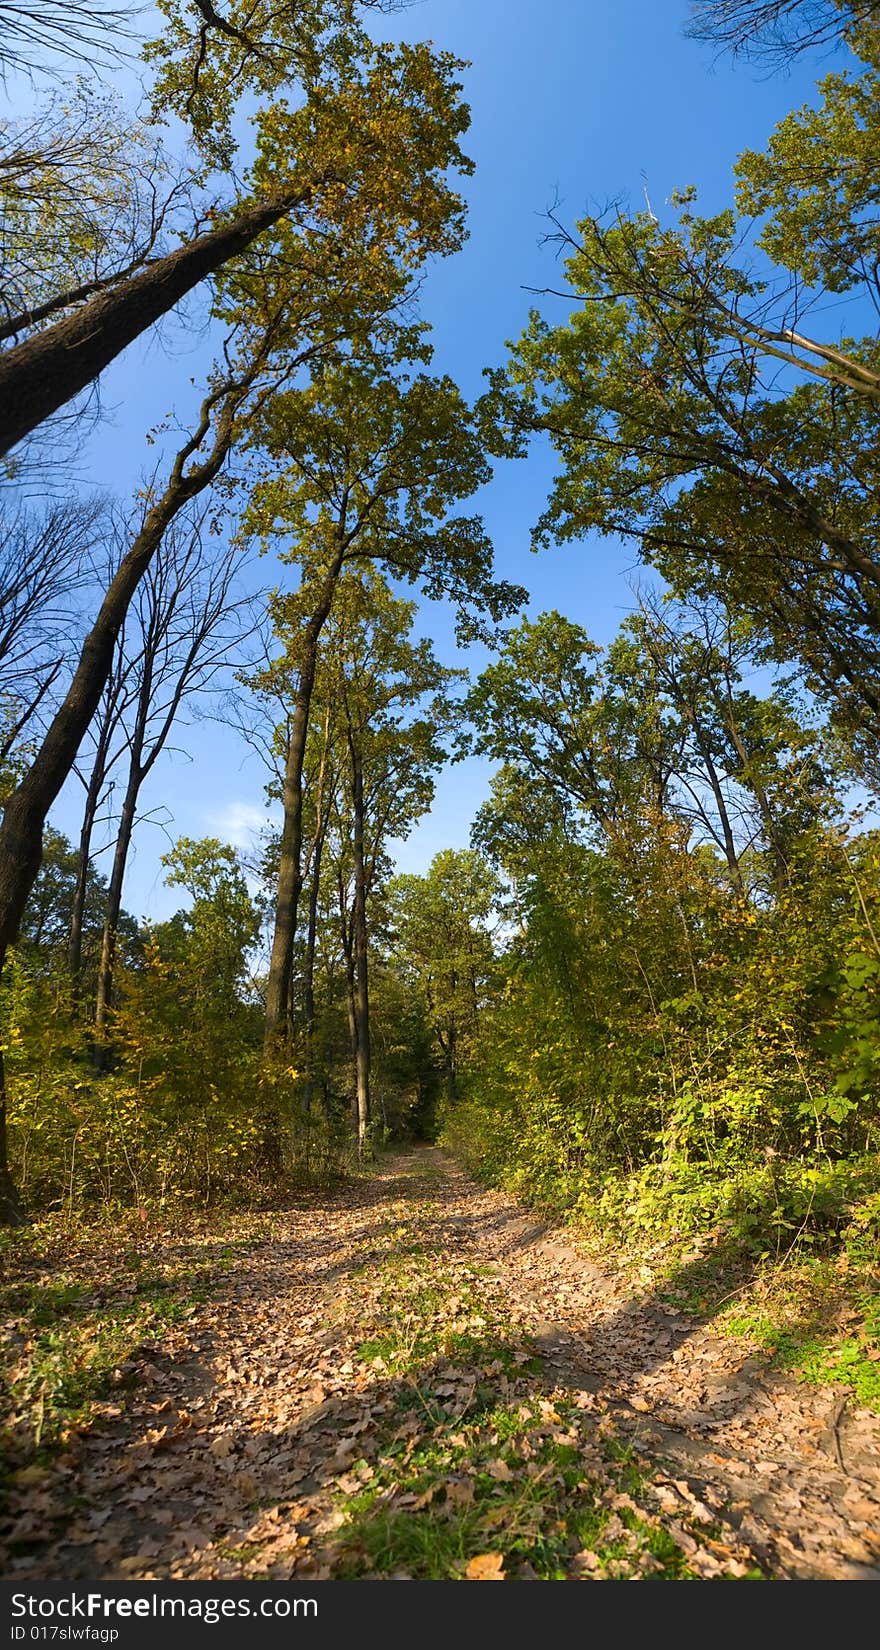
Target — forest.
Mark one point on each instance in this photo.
(640, 1007)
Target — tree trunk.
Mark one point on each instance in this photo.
(44, 372)
(74, 942)
(322, 816)
(114, 897)
(290, 877)
(309, 971)
(21, 833)
(449, 1060)
(346, 934)
(362, 984)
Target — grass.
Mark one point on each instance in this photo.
(556, 1508)
(813, 1327)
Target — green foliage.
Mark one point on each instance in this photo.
(681, 1048)
(182, 1106)
(441, 945)
(694, 414)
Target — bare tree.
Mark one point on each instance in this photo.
(87, 197)
(185, 626)
(44, 561)
(46, 370)
(33, 33)
(778, 30)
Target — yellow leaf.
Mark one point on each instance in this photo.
(486, 1567)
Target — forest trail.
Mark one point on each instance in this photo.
(412, 1376)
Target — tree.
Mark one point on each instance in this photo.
(333, 280)
(656, 739)
(814, 192)
(442, 942)
(76, 31)
(391, 705)
(106, 751)
(380, 708)
(779, 29)
(386, 136)
(664, 400)
(28, 804)
(367, 463)
(88, 197)
(374, 151)
(44, 563)
(45, 926)
(185, 626)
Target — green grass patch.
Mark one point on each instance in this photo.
(816, 1328)
(523, 1480)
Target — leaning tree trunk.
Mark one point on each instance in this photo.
(21, 833)
(44, 372)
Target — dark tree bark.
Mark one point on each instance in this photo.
(44, 372)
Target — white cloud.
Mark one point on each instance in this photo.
(239, 822)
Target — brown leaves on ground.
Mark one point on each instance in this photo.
(407, 1378)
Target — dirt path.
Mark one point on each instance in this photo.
(415, 1378)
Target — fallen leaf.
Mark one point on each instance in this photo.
(485, 1567)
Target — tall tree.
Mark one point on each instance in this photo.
(676, 427)
(328, 278)
(366, 465)
(391, 704)
(373, 151)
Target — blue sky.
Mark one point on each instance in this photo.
(573, 101)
